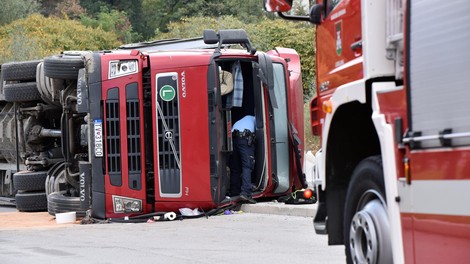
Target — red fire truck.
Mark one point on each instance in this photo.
(146, 128)
(393, 112)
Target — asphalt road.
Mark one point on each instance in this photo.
(236, 238)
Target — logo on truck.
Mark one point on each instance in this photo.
(339, 43)
(167, 93)
(82, 187)
(183, 84)
(168, 135)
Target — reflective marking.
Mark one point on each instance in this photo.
(439, 197)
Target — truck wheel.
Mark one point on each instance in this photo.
(20, 71)
(60, 202)
(64, 66)
(44, 85)
(31, 201)
(366, 226)
(21, 92)
(30, 180)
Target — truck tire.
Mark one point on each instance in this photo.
(31, 201)
(30, 180)
(21, 92)
(366, 226)
(63, 67)
(60, 202)
(20, 71)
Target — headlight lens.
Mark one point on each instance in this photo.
(120, 68)
(126, 205)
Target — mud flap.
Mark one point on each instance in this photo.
(85, 185)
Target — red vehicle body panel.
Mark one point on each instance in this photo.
(194, 130)
(393, 105)
(439, 234)
(121, 83)
(337, 62)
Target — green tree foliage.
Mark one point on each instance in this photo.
(48, 6)
(191, 27)
(16, 9)
(158, 14)
(36, 37)
(112, 21)
(265, 35)
(69, 9)
(269, 34)
(132, 10)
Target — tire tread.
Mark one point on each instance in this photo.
(21, 92)
(20, 71)
(31, 201)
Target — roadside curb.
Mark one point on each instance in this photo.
(274, 208)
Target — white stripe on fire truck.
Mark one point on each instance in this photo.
(440, 197)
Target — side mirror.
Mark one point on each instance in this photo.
(210, 37)
(228, 36)
(277, 5)
(315, 16)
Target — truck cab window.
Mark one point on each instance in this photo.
(331, 4)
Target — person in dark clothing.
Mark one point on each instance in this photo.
(243, 158)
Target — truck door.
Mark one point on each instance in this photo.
(339, 46)
(273, 75)
(434, 198)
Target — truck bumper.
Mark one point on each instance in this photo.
(89, 96)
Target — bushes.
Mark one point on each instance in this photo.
(36, 37)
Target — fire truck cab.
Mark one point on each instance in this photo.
(392, 110)
(147, 128)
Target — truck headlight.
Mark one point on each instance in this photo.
(118, 68)
(126, 205)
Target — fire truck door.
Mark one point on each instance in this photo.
(339, 43)
(434, 201)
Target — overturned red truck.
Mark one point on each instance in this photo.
(146, 128)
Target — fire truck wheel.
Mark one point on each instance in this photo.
(20, 71)
(30, 180)
(63, 66)
(21, 92)
(366, 227)
(60, 202)
(31, 201)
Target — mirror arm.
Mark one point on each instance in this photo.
(292, 17)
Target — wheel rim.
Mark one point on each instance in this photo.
(369, 231)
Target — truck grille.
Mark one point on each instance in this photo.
(168, 135)
(133, 136)
(112, 137)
